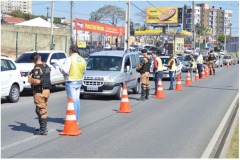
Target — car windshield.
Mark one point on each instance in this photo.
(165, 60)
(104, 63)
(152, 49)
(227, 57)
(180, 58)
(135, 46)
(26, 57)
(147, 47)
(187, 57)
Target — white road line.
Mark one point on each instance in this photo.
(23, 141)
(215, 137)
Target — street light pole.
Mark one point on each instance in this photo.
(127, 26)
(193, 28)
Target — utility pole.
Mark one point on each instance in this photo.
(127, 26)
(47, 13)
(193, 28)
(71, 30)
(51, 48)
(225, 28)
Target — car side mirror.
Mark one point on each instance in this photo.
(53, 61)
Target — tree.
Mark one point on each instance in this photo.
(57, 20)
(199, 29)
(42, 16)
(221, 38)
(111, 14)
(17, 13)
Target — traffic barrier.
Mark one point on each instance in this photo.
(197, 76)
(228, 65)
(188, 81)
(70, 127)
(207, 71)
(160, 94)
(179, 84)
(203, 74)
(124, 107)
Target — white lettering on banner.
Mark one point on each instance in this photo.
(71, 117)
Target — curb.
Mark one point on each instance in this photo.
(216, 144)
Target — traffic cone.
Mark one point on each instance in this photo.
(179, 84)
(207, 71)
(197, 76)
(228, 65)
(160, 94)
(124, 107)
(203, 74)
(188, 81)
(70, 127)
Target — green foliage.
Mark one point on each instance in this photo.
(57, 20)
(221, 38)
(199, 29)
(26, 16)
(42, 16)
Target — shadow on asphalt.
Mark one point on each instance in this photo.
(54, 120)
(23, 127)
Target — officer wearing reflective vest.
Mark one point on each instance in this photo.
(73, 70)
(41, 83)
(191, 64)
(211, 58)
(199, 64)
(171, 69)
(158, 69)
(144, 69)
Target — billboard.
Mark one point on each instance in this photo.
(162, 15)
(179, 45)
(208, 31)
(98, 27)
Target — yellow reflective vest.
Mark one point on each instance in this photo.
(77, 68)
(160, 68)
(173, 66)
(193, 65)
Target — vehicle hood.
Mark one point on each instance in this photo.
(90, 73)
(185, 62)
(25, 66)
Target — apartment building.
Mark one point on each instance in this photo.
(8, 6)
(218, 19)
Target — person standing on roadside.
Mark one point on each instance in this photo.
(199, 64)
(73, 70)
(191, 63)
(40, 80)
(144, 69)
(211, 58)
(158, 69)
(171, 69)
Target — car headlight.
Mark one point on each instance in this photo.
(110, 79)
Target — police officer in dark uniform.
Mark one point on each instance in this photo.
(144, 69)
(211, 58)
(40, 81)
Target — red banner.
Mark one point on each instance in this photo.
(98, 27)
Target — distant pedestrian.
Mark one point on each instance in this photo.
(72, 70)
(199, 64)
(171, 69)
(191, 63)
(158, 69)
(40, 80)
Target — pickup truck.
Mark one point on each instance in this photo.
(25, 65)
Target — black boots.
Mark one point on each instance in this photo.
(213, 71)
(171, 88)
(43, 127)
(147, 94)
(210, 72)
(143, 95)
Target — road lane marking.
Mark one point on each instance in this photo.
(23, 141)
(215, 137)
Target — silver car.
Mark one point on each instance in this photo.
(219, 61)
(108, 71)
(186, 65)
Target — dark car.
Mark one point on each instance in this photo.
(120, 48)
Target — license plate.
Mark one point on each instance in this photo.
(92, 88)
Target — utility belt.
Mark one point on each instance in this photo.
(39, 89)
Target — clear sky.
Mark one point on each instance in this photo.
(82, 9)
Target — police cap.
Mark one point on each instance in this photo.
(144, 51)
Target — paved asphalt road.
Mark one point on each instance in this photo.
(179, 126)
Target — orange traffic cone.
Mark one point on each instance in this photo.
(124, 107)
(70, 127)
(179, 84)
(228, 65)
(160, 94)
(188, 81)
(203, 74)
(197, 76)
(207, 71)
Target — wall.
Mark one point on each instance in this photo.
(26, 38)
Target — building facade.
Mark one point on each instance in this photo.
(8, 6)
(218, 19)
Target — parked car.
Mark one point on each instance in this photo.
(120, 48)
(185, 63)
(229, 59)
(151, 75)
(11, 80)
(25, 65)
(219, 61)
(107, 73)
(222, 52)
(180, 58)
(134, 46)
(178, 67)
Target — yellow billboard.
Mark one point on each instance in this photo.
(162, 15)
(179, 45)
(81, 44)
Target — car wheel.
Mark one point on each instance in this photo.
(14, 94)
(136, 89)
(118, 95)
